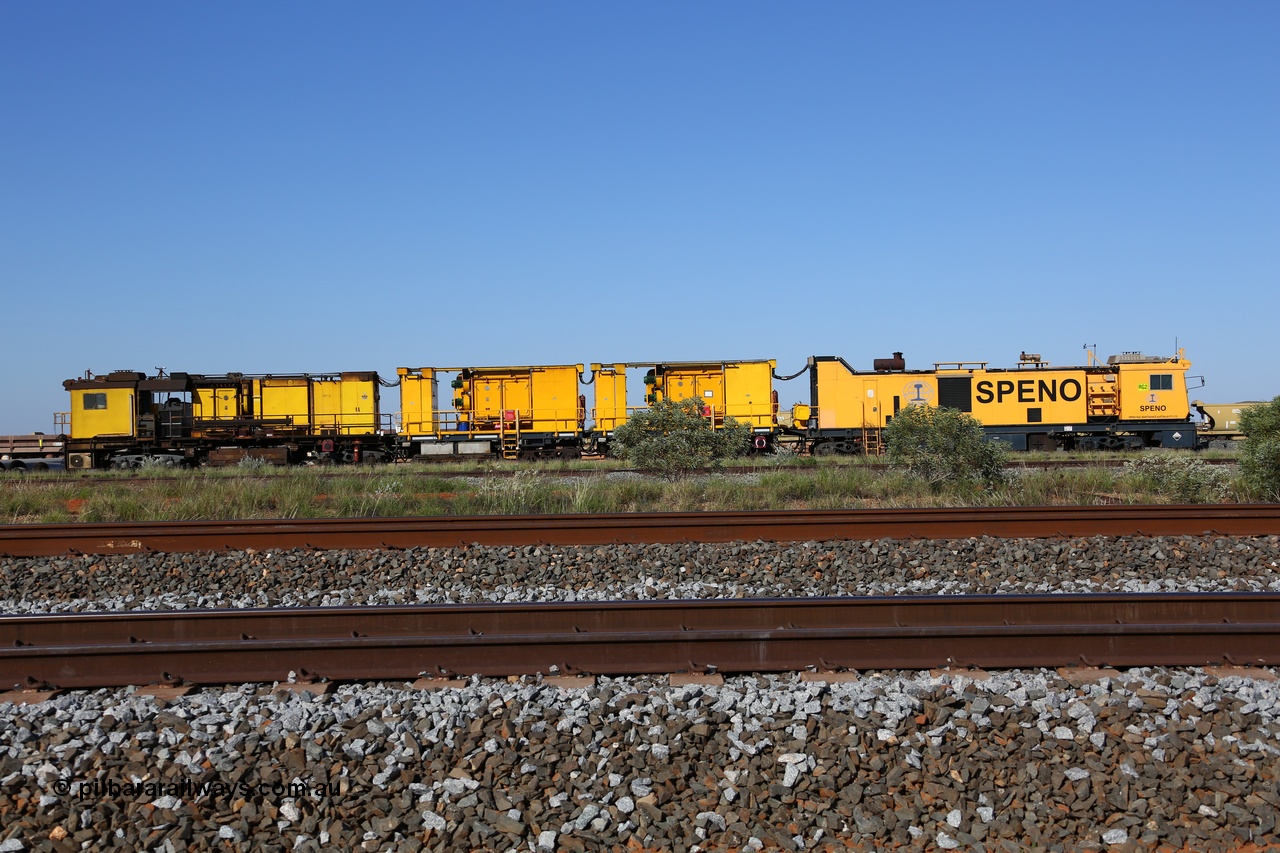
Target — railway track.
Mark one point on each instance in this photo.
(42, 540)
(88, 650)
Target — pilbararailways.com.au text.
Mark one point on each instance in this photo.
(188, 789)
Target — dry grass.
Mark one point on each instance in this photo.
(409, 490)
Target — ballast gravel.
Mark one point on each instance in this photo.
(1154, 759)
(478, 573)
(1178, 759)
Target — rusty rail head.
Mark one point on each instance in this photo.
(33, 540)
(736, 635)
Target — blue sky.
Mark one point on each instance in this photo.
(314, 187)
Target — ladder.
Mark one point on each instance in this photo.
(509, 430)
(872, 441)
(872, 436)
(1101, 396)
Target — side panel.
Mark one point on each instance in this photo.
(610, 385)
(327, 406)
(221, 404)
(897, 391)
(749, 393)
(285, 398)
(359, 404)
(879, 399)
(103, 412)
(742, 390)
(1154, 391)
(706, 383)
(555, 399)
(835, 394)
(1030, 397)
(493, 394)
(848, 400)
(417, 401)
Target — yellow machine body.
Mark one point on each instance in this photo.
(1152, 388)
(1025, 406)
(124, 405)
(285, 400)
(518, 412)
(846, 399)
(218, 403)
(1147, 390)
(338, 404)
(127, 419)
(419, 413)
(524, 399)
(539, 400)
(609, 382)
(105, 411)
(742, 390)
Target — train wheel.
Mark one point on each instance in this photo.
(824, 448)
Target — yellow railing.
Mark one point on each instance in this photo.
(454, 422)
(746, 413)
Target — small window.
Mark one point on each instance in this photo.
(1033, 416)
(1162, 382)
(95, 401)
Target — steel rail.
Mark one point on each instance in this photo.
(86, 650)
(41, 540)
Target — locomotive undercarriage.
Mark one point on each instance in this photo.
(194, 453)
(564, 450)
(1112, 436)
(525, 447)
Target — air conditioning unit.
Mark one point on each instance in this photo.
(80, 461)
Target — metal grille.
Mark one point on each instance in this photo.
(956, 392)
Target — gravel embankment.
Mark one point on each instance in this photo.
(1155, 759)
(1021, 761)
(557, 573)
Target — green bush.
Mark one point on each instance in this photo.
(1260, 456)
(943, 445)
(1181, 478)
(673, 438)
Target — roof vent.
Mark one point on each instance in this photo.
(1133, 358)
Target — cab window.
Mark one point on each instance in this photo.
(95, 401)
(1162, 382)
